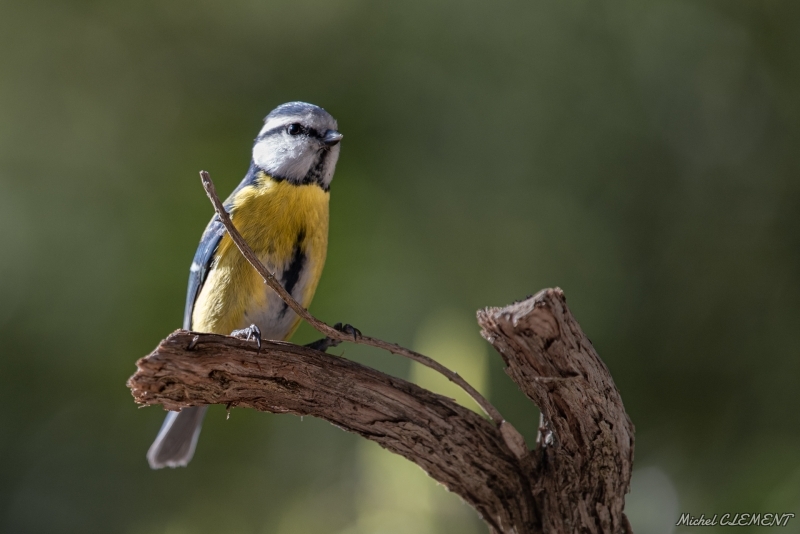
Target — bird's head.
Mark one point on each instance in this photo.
(298, 143)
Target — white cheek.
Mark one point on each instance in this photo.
(264, 154)
(279, 158)
(330, 166)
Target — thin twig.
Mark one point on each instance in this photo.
(331, 332)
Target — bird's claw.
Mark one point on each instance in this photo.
(348, 329)
(328, 342)
(248, 334)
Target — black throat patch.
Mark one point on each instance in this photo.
(314, 175)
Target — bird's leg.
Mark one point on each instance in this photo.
(251, 332)
(327, 342)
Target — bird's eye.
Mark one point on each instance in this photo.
(294, 129)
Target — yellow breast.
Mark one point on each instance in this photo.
(275, 218)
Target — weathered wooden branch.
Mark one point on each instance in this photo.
(573, 482)
(584, 454)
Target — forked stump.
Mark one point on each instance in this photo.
(573, 482)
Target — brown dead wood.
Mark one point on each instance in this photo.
(574, 481)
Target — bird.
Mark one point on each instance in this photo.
(281, 209)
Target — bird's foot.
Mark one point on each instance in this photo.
(348, 329)
(327, 342)
(248, 334)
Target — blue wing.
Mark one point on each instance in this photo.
(207, 249)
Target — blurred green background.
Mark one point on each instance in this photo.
(642, 155)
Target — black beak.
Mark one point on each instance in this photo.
(331, 138)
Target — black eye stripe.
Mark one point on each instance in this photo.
(270, 132)
(310, 132)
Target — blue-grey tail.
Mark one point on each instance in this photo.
(174, 446)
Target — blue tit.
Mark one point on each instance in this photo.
(281, 210)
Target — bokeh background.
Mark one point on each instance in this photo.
(642, 155)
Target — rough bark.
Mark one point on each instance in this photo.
(454, 445)
(574, 481)
(584, 452)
